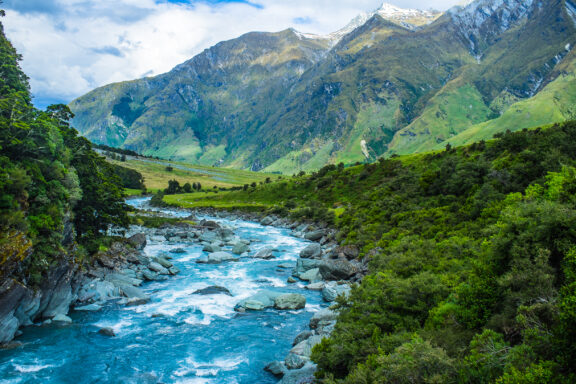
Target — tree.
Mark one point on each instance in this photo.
(173, 187)
(187, 188)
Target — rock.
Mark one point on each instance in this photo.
(294, 361)
(121, 280)
(332, 290)
(314, 235)
(301, 337)
(129, 272)
(300, 376)
(349, 252)
(148, 275)
(303, 265)
(177, 251)
(138, 241)
(154, 266)
(304, 348)
(213, 290)
(291, 280)
(337, 270)
(315, 286)
(226, 234)
(28, 308)
(290, 301)
(259, 301)
(107, 332)
(135, 295)
(217, 258)
(163, 262)
(240, 248)
(323, 315)
(210, 224)
(312, 275)
(313, 251)
(174, 271)
(285, 266)
(98, 291)
(265, 253)
(62, 319)
(209, 237)
(211, 248)
(267, 220)
(277, 368)
(11, 293)
(89, 308)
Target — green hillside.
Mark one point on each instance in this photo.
(472, 260)
(284, 102)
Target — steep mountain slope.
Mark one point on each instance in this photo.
(393, 81)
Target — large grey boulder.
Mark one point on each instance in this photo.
(293, 361)
(213, 290)
(135, 295)
(98, 291)
(265, 253)
(217, 258)
(323, 315)
(304, 265)
(313, 251)
(226, 234)
(337, 269)
(211, 248)
(240, 248)
(138, 241)
(163, 262)
(120, 280)
(290, 301)
(299, 376)
(277, 368)
(156, 267)
(315, 235)
(304, 348)
(332, 290)
(261, 300)
(312, 275)
(267, 220)
(11, 293)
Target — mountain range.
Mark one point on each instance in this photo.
(393, 81)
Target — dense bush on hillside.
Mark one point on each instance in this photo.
(472, 261)
(54, 189)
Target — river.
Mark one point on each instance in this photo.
(178, 337)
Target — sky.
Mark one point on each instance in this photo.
(73, 46)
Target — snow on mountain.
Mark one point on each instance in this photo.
(407, 18)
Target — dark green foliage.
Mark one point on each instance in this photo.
(54, 189)
(173, 187)
(130, 178)
(187, 188)
(471, 261)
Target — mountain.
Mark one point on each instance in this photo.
(393, 81)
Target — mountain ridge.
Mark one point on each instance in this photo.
(289, 101)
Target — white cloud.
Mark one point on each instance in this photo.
(73, 46)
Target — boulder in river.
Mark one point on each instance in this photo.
(277, 368)
(290, 301)
(212, 248)
(138, 241)
(210, 224)
(240, 248)
(261, 300)
(61, 318)
(217, 258)
(323, 315)
(154, 266)
(213, 290)
(163, 262)
(313, 251)
(303, 265)
(267, 220)
(312, 275)
(299, 376)
(107, 331)
(294, 361)
(264, 253)
(177, 250)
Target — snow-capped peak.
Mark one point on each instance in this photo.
(408, 18)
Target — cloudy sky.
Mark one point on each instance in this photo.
(73, 46)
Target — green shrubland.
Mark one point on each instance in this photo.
(471, 253)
